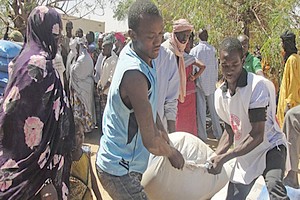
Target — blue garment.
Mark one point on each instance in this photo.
(8, 51)
(121, 148)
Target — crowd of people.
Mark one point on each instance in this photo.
(136, 91)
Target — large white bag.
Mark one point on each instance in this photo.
(163, 182)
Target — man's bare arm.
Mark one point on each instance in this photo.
(226, 140)
(254, 138)
(161, 128)
(134, 87)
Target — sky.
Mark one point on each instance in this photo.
(111, 24)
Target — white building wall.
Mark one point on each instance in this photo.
(85, 24)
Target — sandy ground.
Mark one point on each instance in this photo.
(92, 139)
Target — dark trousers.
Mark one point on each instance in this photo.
(273, 175)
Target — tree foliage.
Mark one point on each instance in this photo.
(14, 13)
(263, 21)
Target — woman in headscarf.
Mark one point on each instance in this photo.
(36, 122)
(289, 93)
(82, 87)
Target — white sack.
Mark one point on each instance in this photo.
(163, 182)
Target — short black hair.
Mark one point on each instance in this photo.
(203, 34)
(288, 39)
(69, 24)
(90, 37)
(231, 44)
(139, 8)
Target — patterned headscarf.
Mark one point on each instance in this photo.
(44, 27)
(36, 121)
(178, 48)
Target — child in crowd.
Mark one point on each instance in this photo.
(82, 177)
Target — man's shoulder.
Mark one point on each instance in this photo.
(203, 46)
(251, 57)
(165, 56)
(252, 60)
(294, 58)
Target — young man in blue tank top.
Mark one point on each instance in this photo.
(129, 128)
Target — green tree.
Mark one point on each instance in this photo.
(263, 21)
(14, 13)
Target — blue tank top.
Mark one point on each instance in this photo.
(121, 148)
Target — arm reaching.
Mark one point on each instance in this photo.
(134, 93)
(253, 139)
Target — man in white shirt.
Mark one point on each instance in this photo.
(246, 103)
(206, 86)
(108, 66)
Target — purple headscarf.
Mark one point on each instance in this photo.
(36, 122)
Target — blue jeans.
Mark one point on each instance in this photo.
(122, 187)
(273, 175)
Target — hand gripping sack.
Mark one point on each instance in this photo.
(163, 182)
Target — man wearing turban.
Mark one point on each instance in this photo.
(289, 95)
(171, 73)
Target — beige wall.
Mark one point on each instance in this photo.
(85, 24)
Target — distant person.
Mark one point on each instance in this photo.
(107, 70)
(289, 93)
(100, 40)
(71, 59)
(82, 178)
(36, 121)
(90, 38)
(252, 63)
(82, 88)
(246, 103)
(120, 42)
(79, 33)
(66, 41)
(97, 70)
(129, 128)
(98, 50)
(206, 86)
(170, 92)
(99, 59)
